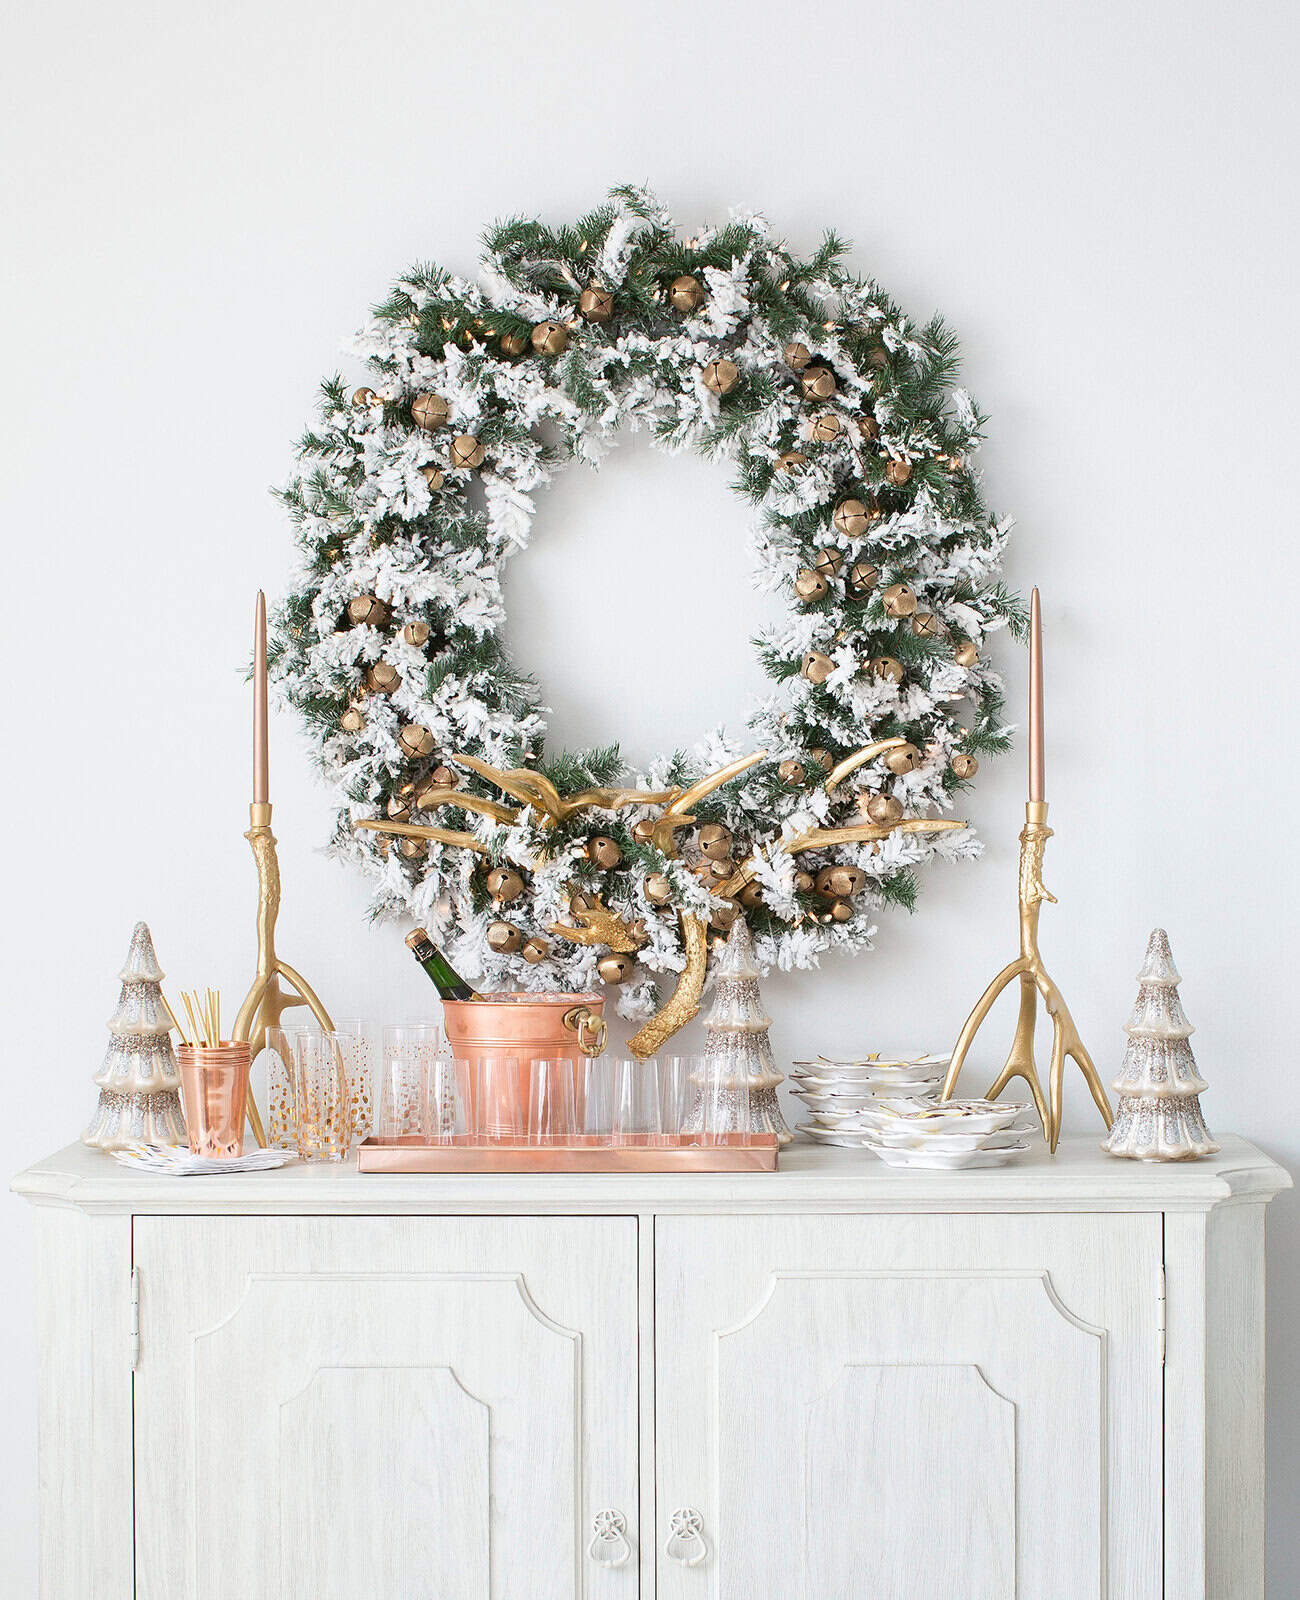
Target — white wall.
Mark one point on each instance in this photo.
(203, 199)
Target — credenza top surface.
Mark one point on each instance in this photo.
(1079, 1178)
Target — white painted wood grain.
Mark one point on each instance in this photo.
(758, 1319)
(261, 1340)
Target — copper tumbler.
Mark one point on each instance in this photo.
(214, 1092)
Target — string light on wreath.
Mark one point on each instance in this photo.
(845, 490)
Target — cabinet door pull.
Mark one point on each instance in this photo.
(686, 1535)
(609, 1545)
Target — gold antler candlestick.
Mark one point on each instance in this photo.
(265, 1003)
(1028, 965)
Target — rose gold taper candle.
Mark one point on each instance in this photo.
(1037, 789)
(261, 758)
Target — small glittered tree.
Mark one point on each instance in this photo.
(1159, 1116)
(738, 1043)
(139, 1085)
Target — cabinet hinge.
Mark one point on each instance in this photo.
(134, 1330)
(1160, 1310)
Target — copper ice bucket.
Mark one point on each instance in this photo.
(525, 1028)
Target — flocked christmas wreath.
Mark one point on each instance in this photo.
(844, 429)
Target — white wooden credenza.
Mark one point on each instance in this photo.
(837, 1382)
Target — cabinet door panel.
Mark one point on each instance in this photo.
(909, 1407)
(407, 1408)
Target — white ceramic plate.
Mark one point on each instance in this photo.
(850, 1141)
(951, 1161)
(957, 1116)
(956, 1142)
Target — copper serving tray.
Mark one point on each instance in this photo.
(586, 1153)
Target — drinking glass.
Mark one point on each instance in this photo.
(323, 1116)
(498, 1111)
(280, 1097)
(401, 1104)
(445, 1098)
(676, 1086)
(636, 1099)
(360, 1045)
(551, 1115)
(598, 1097)
(725, 1107)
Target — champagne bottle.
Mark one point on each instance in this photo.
(442, 974)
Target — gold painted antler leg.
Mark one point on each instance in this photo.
(971, 1026)
(1020, 1059)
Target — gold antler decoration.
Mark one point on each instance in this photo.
(684, 1002)
(422, 830)
(827, 838)
(837, 775)
(597, 924)
(535, 790)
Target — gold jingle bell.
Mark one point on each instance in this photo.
(513, 344)
(604, 851)
(828, 561)
(363, 397)
(685, 293)
(416, 740)
(504, 884)
(852, 518)
(397, 808)
(723, 917)
(466, 451)
(721, 376)
(791, 773)
(818, 383)
(886, 667)
(816, 667)
(714, 841)
(751, 896)
(810, 585)
(863, 577)
(536, 950)
(840, 883)
(898, 601)
(583, 901)
(926, 625)
(966, 655)
(826, 427)
(658, 890)
(382, 678)
(367, 610)
(416, 633)
(353, 720)
(433, 477)
(964, 764)
(868, 428)
(615, 968)
(903, 758)
(796, 355)
(597, 305)
(440, 778)
(550, 338)
(841, 911)
(504, 938)
(822, 758)
(412, 849)
(882, 809)
(791, 461)
(429, 411)
(804, 882)
(643, 830)
(898, 472)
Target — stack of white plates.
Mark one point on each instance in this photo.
(846, 1097)
(953, 1135)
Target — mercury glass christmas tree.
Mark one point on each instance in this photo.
(139, 1086)
(738, 1047)
(1159, 1116)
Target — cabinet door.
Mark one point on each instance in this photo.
(908, 1408)
(400, 1408)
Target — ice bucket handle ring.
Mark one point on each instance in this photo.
(592, 1031)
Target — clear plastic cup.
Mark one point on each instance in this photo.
(551, 1114)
